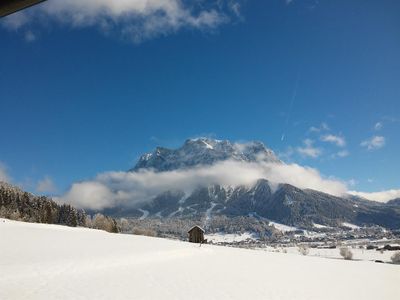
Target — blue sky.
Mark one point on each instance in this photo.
(316, 81)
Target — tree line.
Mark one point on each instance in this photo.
(19, 205)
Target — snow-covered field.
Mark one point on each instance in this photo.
(230, 238)
(40, 261)
(358, 254)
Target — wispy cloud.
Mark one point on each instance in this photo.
(323, 127)
(335, 139)
(287, 154)
(383, 196)
(4, 173)
(392, 119)
(352, 182)
(314, 129)
(236, 8)
(325, 135)
(134, 20)
(46, 185)
(373, 143)
(308, 149)
(342, 153)
(378, 126)
(29, 36)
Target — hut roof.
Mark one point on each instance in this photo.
(196, 226)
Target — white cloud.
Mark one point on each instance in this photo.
(335, 139)
(235, 7)
(322, 127)
(374, 142)
(4, 174)
(314, 129)
(130, 188)
(343, 153)
(94, 195)
(325, 126)
(383, 196)
(287, 154)
(29, 36)
(46, 185)
(135, 20)
(16, 20)
(352, 182)
(378, 126)
(309, 150)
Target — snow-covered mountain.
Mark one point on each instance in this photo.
(287, 205)
(395, 202)
(204, 151)
(283, 203)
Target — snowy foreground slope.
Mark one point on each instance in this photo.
(40, 261)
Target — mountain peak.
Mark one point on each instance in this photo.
(204, 151)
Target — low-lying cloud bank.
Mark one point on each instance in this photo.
(136, 20)
(112, 189)
(383, 196)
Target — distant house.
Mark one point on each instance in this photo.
(196, 234)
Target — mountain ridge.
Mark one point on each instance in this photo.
(280, 202)
(204, 151)
(287, 205)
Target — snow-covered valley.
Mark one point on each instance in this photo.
(39, 261)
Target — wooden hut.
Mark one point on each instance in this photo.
(196, 234)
